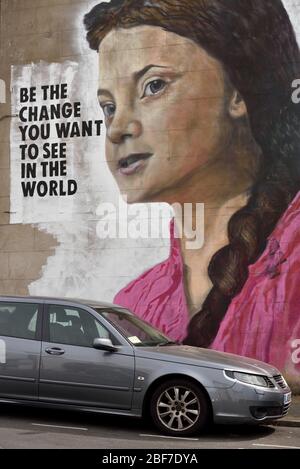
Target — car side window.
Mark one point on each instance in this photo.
(74, 326)
(18, 320)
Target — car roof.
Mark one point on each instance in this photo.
(62, 301)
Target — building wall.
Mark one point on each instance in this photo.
(54, 245)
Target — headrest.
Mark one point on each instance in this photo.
(75, 320)
(60, 314)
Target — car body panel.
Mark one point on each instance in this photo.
(206, 358)
(19, 374)
(86, 376)
(19, 370)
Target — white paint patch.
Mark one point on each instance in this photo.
(293, 9)
(82, 265)
(40, 209)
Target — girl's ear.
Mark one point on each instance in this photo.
(237, 106)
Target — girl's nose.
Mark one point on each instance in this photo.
(123, 128)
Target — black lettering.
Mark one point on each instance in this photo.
(54, 168)
(33, 132)
(32, 114)
(55, 91)
(77, 109)
(67, 110)
(53, 111)
(28, 170)
(44, 165)
(87, 128)
(63, 168)
(98, 127)
(72, 187)
(53, 188)
(55, 150)
(45, 131)
(32, 151)
(23, 154)
(42, 188)
(28, 94)
(47, 151)
(23, 132)
(64, 90)
(28, 188)
(24, 96)
(63, 129)
(75, 132)
(43, 114)
(21, 114)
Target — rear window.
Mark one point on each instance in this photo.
(18, 320)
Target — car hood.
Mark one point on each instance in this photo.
(205, 357)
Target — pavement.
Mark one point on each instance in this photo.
(293, 417)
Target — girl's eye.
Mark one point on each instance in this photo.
(154, 87)
(108, 109)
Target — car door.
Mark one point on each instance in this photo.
(20, 346)
(72, 371)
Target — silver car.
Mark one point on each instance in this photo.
(100, 357)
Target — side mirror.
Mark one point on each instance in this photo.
(104, 344)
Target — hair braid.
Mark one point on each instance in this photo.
(248, 231)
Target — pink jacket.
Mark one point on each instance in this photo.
(262, 322)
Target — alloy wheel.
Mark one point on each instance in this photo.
(178, 408)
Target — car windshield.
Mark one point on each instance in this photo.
(138, 332)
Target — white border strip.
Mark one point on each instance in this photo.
(59, 426)
(169, 437)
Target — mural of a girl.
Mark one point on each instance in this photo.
(197, 100)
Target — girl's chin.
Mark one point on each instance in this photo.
(131, 198)
(138, 198)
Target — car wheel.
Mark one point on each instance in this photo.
(179, 407)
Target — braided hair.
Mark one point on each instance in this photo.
(255, 42)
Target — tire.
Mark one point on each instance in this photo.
(179, 407)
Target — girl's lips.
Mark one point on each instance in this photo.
(133, 163)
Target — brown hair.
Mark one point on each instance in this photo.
(255, 42)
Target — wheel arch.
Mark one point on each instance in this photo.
(168, 377)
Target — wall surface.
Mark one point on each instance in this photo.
(66, 231)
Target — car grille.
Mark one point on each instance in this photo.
(280, 381)
(285, 409)
(269, 382)
(261, 413)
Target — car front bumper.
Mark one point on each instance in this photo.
(246, 404)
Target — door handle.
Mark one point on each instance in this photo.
(55, 351)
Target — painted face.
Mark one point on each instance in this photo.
(163, 101)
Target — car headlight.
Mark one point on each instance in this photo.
(254, 380)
